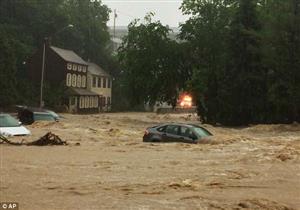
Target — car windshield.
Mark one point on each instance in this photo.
(43, 117)
(8, 121)
(53, 114)
(202, 132)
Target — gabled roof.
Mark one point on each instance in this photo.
(96, 70)
(68, 55)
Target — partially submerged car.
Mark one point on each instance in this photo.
(28, 115)
(9, 126)
(176, 132)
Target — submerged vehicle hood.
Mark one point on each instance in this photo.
(14, 131)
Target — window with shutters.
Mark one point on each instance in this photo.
(69, 66)
(83, 81)
(94, 81)
(104, 82)
(86, 102)
(81, 102)
(74, 67)
(99, 82)
(74, 80)
(78, 81)
(91, 105)
(69, 80)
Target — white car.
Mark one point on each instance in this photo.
(9, 126)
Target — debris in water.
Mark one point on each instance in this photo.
(48, 139)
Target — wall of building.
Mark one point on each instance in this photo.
(99, 89)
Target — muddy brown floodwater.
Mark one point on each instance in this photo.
(256, 167)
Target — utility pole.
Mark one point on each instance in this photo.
(46, 39)
(42, 73)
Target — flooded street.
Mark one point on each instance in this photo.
(256, 167)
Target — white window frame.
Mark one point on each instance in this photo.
(74, 80)
(83, 81)
(79, 81)
(74, 67)
(69, 66)
(91, 102)
(81, 102)
(86, 102)
(84, 69)
(69, 80)
(79, 68)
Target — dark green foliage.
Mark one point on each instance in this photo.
(245, 59)
(90, 36)
(207, 32)
(282, 56)
(54, 95)
(245, 74)
(8, 93)
(150, 63)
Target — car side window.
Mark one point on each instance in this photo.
(173, 129)
(186, 132)
(162, 129)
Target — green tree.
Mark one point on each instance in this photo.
(146, 59)
(245, 76)
(8, 82)
(282, 57)
(89, 37)
(206, 33)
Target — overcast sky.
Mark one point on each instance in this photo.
(167, 11)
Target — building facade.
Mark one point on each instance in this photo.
(66, 68)
(100, 82)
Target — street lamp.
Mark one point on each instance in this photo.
(43, 62)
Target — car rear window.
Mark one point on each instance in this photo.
(202, 132)
(43, 117)
(8, 121)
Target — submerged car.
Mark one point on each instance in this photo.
(176, 132)
(9, 126)
(28, 115)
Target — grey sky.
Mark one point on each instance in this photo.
(167, 11)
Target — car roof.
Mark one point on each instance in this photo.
(34, 109)
(4, 114)
(44, 113)
(179, 124)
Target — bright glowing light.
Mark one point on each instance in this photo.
(186, 101)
